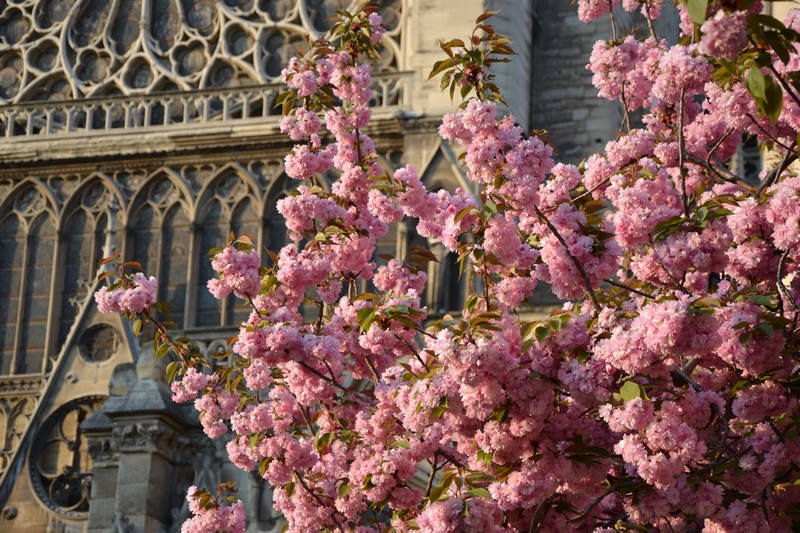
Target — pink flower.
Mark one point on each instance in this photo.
(724, 35)
(238, 273)
(136, 299)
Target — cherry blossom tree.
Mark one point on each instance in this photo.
(662, 395)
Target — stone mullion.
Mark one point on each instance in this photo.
(262, 235)
(162, 255)
(192, 273)
(23, 284)
(227, 303)
(54, 305)
(96, 247)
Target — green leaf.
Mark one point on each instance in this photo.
(204, 500)
(631, 390)
(485, 457)
(541, 332)
(697, 10)
(172, 369)
(262, 466)
(479, 492)
(760, 299)
(365, 317)
(773, 103)
(766, 20)
(441, 66)
(766, 328)
(437, 493)
(756, 84)
(162, 350)
(344, 488)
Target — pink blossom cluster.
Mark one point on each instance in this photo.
(301, 78)
(589, 10)
(725, 35)
(238, 273)
(216, 518)
(191, 384)
(306, 210)
(134, 298)
(302, 123)
(661, 396)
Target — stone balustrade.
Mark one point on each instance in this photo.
(149, 112)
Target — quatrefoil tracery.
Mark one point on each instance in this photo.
(72, 49)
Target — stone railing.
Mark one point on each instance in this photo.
(122, 114)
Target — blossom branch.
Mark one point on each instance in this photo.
(575, 262)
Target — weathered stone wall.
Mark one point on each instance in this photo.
(516, 21)
(564, 101)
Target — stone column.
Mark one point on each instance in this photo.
(141, 444)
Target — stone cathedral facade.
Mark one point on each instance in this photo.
(149, 127)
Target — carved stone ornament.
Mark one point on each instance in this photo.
(59, 462)
(103, 451)
(15, 416)
(71, 49)
(121, 524)
(151, 436)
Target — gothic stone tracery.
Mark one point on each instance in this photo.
(73, 49)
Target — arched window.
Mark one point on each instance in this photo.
(160, 233)
(230, 208)
(84, 239)
(174, 260)
(276, 236)
(38, 276)
(28, 236)
(12, 241)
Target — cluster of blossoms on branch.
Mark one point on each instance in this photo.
(663, 395)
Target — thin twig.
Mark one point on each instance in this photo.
(721, 171)
(678, 372)
(789, 157)
(318, 499)
(575, 261)
(375, 378)
(766, 133)
(782, 289)
(434, 468)
(677, 283)
(689, 367)
(627, 288)
(786, 86)
(416, 354)
(332, 382)
(613, 21)
(535, 520)
(681, 154)
(588, 511)
(590, 191)
(626, 115)
(455, 462)
(650, 21)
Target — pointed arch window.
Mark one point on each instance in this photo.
(28, 237)
(84, 238)
(229, 208)
(159, 229)
(276, 236)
